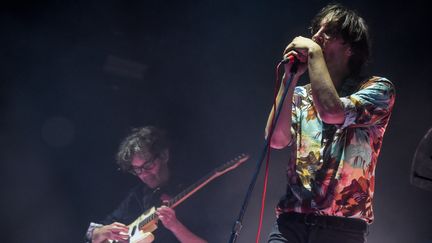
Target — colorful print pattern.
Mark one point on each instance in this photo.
(332, 167)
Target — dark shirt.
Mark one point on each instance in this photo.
(140, 199)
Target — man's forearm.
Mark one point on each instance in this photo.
(282, 131)
(184, 235)
(324, 93)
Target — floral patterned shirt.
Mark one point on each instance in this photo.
(332, 167)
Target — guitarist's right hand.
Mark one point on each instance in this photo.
(115, 231)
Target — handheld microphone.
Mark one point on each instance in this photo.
(290, 59)
(293, 60)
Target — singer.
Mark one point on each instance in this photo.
(335, 127)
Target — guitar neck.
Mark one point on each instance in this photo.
(179, 198)
(189, 191)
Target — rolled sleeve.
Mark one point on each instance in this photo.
(370, 105)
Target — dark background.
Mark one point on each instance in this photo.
(77, 75)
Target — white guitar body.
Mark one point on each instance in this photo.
(142, 234)
(141, 237)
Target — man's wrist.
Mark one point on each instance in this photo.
(91, 228)
(314, 51)
(176, 226)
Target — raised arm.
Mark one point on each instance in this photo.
(325, 75)
(282, 134)
(324, 94)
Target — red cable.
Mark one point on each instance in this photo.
(264, 192)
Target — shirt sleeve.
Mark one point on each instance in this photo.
(89, 233)
(369, 106)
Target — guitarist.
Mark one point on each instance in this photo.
(145, 154)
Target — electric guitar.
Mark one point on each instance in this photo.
(140, 230)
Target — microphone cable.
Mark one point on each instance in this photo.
(275, 116)
(266, 150)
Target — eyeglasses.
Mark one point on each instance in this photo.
(148, 165)
(329, 32)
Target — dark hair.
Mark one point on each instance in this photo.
(142, 140)
(353, 30)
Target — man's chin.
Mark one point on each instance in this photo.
(151, 184)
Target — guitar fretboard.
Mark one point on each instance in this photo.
(204, 180)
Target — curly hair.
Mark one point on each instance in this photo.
(353, 30)
(148, 139)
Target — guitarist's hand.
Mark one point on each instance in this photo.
(168, 217)
(115, 231)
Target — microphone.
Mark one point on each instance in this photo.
(290, 59)
(293, 60)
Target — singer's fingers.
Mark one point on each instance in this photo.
(300, 44)
(290, 53)
(293, 45)
(289, 48)
(297, 54)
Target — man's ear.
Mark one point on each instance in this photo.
(349, 52)
(165, 156)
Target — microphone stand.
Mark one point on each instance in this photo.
(238, 224)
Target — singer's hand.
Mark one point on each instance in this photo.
(299, 47)
(301, 63)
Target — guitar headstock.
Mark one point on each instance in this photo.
(232, 164)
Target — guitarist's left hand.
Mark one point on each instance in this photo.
(168, 217)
